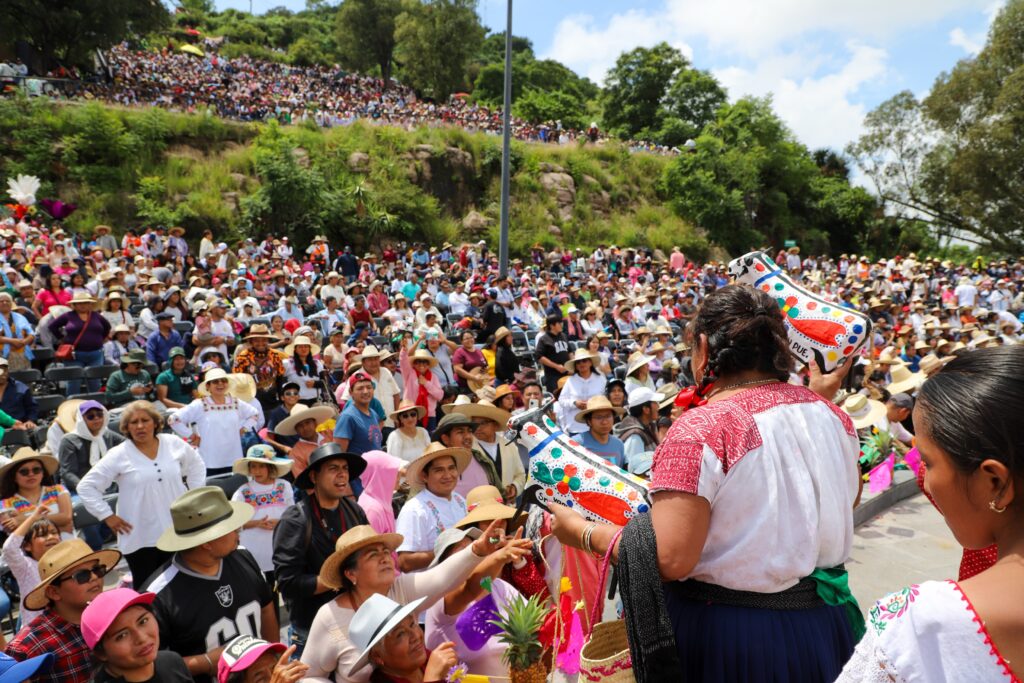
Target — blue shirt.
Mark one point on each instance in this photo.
(614, 451)
(158, 347)
(19, 403)
(361, 429)
(294, 314)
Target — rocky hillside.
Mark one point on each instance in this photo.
(358, 184)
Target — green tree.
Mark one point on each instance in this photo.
(67, 31)
(365, 33)
(435, 41)
(492, 49)
(690, 103)
(953, 161)
(538, 106)
(636, 86)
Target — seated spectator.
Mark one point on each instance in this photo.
(16, 398)
(304, 423)
(131, 382)
(251, 660)
(26, 482)
(176, 386)
(119, 345)
(70, 577)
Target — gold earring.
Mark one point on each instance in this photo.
(995, 508)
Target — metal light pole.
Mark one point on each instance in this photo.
(506, 117)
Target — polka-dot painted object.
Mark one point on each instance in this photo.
(819, 330)
(569, 474)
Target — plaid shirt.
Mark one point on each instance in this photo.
(49, 632)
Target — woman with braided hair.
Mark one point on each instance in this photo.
(740, 558)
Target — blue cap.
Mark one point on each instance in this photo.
(13, 671)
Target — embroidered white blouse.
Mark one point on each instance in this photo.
(424, 517)
(219, 426)
(926, 633)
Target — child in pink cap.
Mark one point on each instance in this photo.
(251, 660)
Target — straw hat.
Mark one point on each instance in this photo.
(503, 390)
(864, 411)
(301, 412)
(903, 380)
(405, 406)
(261, 453)
(931, 364)
(484, 503)
(594, 404)
(581, 354)
(25, 454)
(434, 451)
(637, 361)
(242, 386)
(297, 341)
(374, 619)
(215, 373)
(200, 516)
(177, 230)
(81, 297)
(370, 351)
(260, 331)
(67, 414)
(501, 333)
(60, 558)
(353, 540)
(982, 340)
(485, 410)
(102, 229)
(460, 400)
(423, 354)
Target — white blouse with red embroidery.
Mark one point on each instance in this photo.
(779, 466)
(926, 633)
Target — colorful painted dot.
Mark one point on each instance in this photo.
(589, 474)
(642, 507)
(825, 309)
(759, 267)
(531, 430)
(570, 470)
(848, 319)
(811, 305)
(632, 495)
(858, 329)
(570, 503)
(779, 286)
(574, 483)
(562, 488)
(549, 492)
(619, 486)
(831, 355)
(837, 314)
(604, 481)
(848, 350)
(765, 288)
(558, 474)
(574, 443)
(556, 452)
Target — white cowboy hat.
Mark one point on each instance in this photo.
(300, 412)
(374, 619)
(865, 412)
(299, 340)
(212, 374)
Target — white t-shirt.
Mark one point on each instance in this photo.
(401, 446)
(270, 502)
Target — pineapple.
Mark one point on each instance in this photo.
(520, 631)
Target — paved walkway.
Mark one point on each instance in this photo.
(909, 543)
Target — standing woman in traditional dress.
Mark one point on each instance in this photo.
(967, 428)
(752, 518)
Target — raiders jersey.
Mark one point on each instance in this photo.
(198, 613)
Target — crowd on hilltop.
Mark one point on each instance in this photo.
(251, 89)
(169, 396)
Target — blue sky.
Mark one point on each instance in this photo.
(826, 62)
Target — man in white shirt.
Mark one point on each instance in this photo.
(458, 301)
(966, 293)
(332, 288)
(426, 307)
(897, 409)
(435, 507)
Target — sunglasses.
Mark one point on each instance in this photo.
(29, 471)
(84, 576)
(291, 393)
(93, 415)
(411, 413)
(217, 381)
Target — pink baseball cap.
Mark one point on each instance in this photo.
(101, 612)
(241, 653)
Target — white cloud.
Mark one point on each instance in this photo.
(819, 109)
(592, 50)
(970, 44)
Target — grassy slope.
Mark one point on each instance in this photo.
(203, 168)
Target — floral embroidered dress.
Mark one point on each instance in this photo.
(924, 633)
(270, 502)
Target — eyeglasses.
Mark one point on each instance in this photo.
(84, 576)
(93, 415)
(29, 471)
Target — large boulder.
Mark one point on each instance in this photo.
(475, 222)
(563, 188)
(359, 162)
